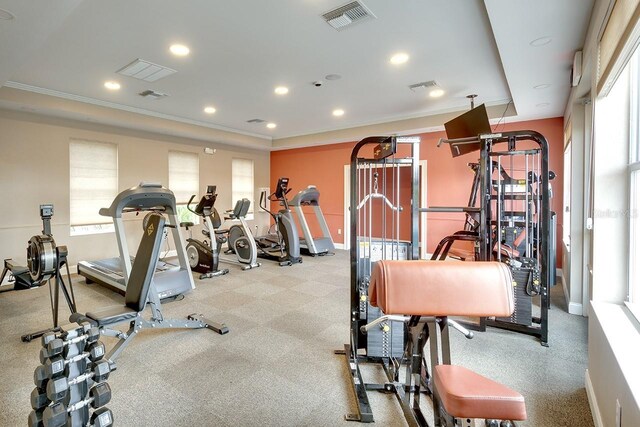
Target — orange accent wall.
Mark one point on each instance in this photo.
(448, 179)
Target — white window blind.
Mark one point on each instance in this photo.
(93, 173)
(184, 175)
(242, 181)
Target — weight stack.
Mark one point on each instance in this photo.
(386, 339)
(522, 313)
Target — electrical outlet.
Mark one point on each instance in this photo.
(618, 414)
(339, 231)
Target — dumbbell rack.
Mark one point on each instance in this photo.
(71, 380)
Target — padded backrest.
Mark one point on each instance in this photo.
(442, 288)
(145, 264)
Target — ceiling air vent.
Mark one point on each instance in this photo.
(347, 15)
(152, 94)
(256, 121)
(145, 70)
(424, 86)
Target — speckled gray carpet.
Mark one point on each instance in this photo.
(276, 367)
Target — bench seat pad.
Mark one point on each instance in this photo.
(442, 288)
(466, 394)
(112, 315)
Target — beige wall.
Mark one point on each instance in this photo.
(34, 169)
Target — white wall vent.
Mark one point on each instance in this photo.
(347, 15)
(152, 94)
(145, 70)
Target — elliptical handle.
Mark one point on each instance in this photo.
(189, 203)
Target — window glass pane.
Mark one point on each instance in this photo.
(634, 244)
(93, 178)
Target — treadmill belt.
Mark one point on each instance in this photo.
(113, 266)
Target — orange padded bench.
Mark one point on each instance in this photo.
(453, 288)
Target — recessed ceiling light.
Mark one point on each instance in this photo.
(271, 125)
(6, 15)
(333, 77)
(399, 58)
(542, 105)
(209, 110)
(541, 41)
(112, 85)
(542, 86)
(436, 92)
(179, 49)
(281, 90)
(338, 112)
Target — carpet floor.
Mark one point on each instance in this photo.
(276, 367)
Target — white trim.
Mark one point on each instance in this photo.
(559, 272)
(593, 403)
(346, 231)
(113, 105)
(339, 246)
(575, 308)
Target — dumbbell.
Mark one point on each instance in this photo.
(66, 334)
(62, 346)
(56, 365)
(39, 398)
(102, 417)
(56, 414)
(35, 418)
(57, 388)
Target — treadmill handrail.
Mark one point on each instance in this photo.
(141, 198)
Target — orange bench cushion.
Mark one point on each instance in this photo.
(465, 394)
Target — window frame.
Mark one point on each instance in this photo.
(182, 212)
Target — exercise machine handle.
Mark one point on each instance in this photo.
(189, 204)
(458, 327)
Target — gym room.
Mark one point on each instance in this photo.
(207, 207)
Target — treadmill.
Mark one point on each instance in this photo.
(319, 245)
(169, 280)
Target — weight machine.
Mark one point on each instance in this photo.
(384, 226)
(512, 221)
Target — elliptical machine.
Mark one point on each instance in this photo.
(284, 244)
(203, 255)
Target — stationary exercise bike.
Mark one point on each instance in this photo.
(204, 255)
(240, 241)
(284, 244)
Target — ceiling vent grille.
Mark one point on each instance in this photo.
(256, 121)
(347, 15)
(145, 70)
(424, 86)
(152, 94)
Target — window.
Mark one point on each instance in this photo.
(634, 180)
(93, 184)
(566, 195)
(184, 181)
(242, 182)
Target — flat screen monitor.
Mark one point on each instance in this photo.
(470, 124)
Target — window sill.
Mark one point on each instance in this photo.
(85, 230)
(634, 309)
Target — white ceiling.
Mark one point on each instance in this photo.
(241, 50)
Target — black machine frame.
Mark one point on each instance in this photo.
(535, 271)
(384, 345)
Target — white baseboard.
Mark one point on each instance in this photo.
(559, 272)
(339, 245)
(575, 308)
(593, 403)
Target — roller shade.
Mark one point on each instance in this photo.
(242, 181)
(184, 175)
(93, 179)
(619, 40)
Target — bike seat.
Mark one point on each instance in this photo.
(186, 224)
